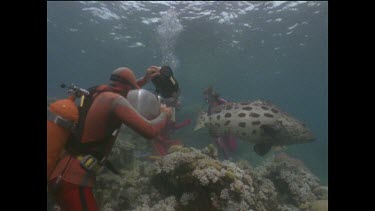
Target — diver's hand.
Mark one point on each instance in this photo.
(178, 105)
(166, 110)
(152, 72)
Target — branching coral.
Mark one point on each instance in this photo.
(191, 179)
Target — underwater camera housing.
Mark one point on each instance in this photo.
(76, 91)
(145, 102)
(165, 83)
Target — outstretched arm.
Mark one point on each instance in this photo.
(142, 81)
(151, 73)
(182, 124)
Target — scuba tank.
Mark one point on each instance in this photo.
(62, 118)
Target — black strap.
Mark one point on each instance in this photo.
(83, 110)
(83, 199)
(95, 148)
(121, 80)
(74, 145)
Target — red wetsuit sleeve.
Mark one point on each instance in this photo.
(182, 124)
(130, 117)
(141, 82)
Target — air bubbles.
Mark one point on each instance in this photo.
(168, 31)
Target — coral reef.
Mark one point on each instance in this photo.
(320, 205)
(192, 179)
(122, 154)
(131, 190)
(293, 181)
(211, 151)
(217, 185)
(127, 191)
(167, 204)
(321, 192)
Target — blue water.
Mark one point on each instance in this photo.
(276, 51)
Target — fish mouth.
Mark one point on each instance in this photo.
(311, 138)
(308, 137)
(197, 127)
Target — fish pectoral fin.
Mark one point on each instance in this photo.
(270, 129)
(262, 148)
(279, 148)
(197, 127)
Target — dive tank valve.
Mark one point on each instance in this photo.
(76, 91)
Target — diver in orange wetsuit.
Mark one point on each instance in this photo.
(71, 181)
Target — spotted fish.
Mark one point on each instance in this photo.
(258, 122)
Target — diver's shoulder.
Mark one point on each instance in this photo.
(110, 96)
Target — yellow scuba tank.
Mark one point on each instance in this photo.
(62, 116)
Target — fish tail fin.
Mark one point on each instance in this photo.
(200, 121)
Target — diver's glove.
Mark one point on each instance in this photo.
(166, 110)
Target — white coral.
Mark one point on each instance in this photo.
(199, 174)
(167, 204)
(224, 194)
(230, 166)
(170, 161)
(144, 199)
(239, 186)
(186, 197)
(208, 174)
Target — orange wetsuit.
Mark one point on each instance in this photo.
(107, 112)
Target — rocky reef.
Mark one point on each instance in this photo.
(192, 179)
